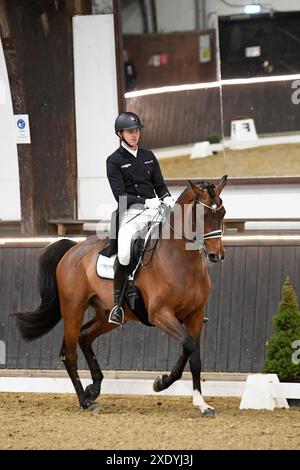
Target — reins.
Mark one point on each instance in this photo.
(207, 236)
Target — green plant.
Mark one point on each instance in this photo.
(213, 138)
(280, 350)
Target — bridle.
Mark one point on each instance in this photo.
(214, 208)
(207, 236)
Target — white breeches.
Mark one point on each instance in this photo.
(130, 230)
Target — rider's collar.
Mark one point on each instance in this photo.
(133, 152)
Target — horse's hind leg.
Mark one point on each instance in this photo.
(69, 359)
(91, 330)
(92, 391)
(69, 354)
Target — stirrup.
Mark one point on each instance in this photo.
(115, 317)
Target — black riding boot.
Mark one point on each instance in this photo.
(121, 276)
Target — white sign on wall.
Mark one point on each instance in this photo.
(204, 48)
(22, 129)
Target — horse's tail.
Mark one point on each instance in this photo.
(32, 325)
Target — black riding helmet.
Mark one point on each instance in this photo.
(126, 121)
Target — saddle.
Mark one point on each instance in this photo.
(105, 264)
(105, 268)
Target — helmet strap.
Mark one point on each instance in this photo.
(122, 138)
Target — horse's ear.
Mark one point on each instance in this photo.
(193, 186)
(196, 189)
(221, 184)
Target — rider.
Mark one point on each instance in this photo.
(135, 174)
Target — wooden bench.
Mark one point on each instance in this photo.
(10, 225)
(239, 224)
(236, 224)
(65, 226)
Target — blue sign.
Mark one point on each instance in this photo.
(22, 129)
(21, 123)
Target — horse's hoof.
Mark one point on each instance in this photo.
(209, 412)
(91, 393)
(94, 408)
(157, 384)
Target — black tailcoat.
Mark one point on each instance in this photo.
(139, 178)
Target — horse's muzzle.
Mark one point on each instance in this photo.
(216, 258)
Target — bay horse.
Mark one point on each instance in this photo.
(175, 288)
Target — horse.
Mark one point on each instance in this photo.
(174, 285)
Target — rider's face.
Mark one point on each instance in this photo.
(132, 137)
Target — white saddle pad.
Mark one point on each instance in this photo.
(105, 267)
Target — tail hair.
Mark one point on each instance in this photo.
(37, 323)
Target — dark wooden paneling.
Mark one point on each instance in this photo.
(211, 328)
(6, 275)
(185, 117)
(260, 318)
(225, 306)
(15, 300)
(102, 350)
(249, 308)
(178, 118)
(115, 349)
(161, 353)
(175, 350)
(238, 259)
(127, 347)
(269, 104)
(275, 284)
(138, 344)
(150, 348)
(183, 65)
(39, 56)
(245, 295)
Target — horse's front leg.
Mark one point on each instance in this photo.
(194, 326)
(164, 381)
(167, 322)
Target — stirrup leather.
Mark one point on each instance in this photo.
(114, 316)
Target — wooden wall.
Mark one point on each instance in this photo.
(178, 118)
(184, 117)
(39, 57)
(269, 104)
(180, 61)
(245, 296)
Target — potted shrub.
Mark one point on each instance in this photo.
(282, 358)
(213, 138)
